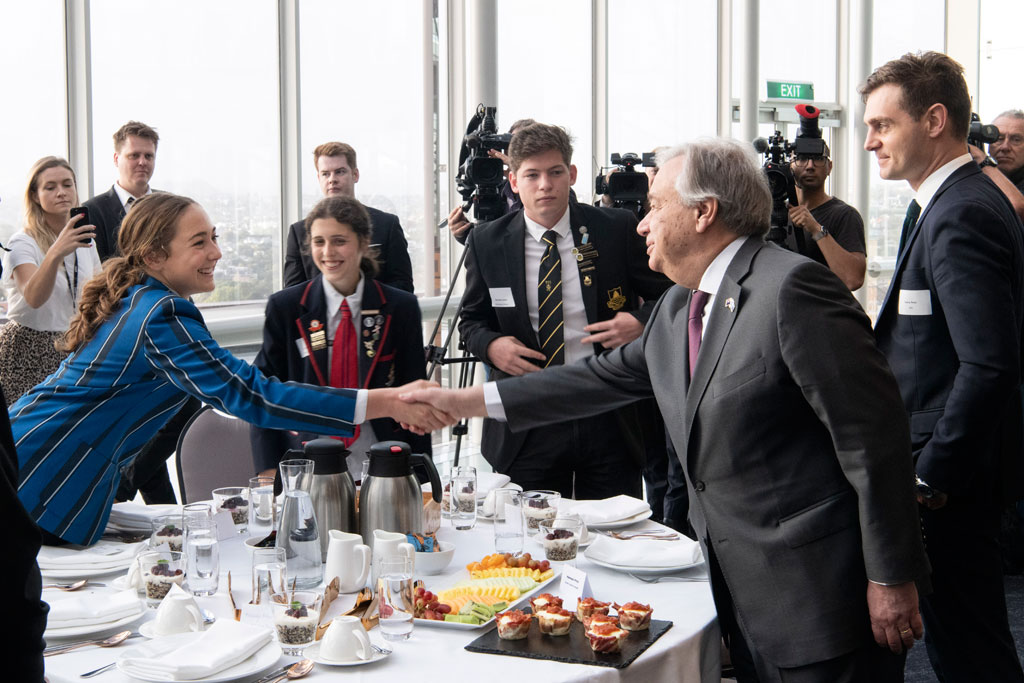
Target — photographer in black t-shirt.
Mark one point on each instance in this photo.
(835, 229)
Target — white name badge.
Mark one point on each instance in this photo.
(915, 302)
(501, 297)
(303, 351)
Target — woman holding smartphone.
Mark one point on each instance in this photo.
(48, 265)
(139, 348)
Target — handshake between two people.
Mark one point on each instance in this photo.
(423, 406)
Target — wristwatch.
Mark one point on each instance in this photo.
(988, 161)
(820, 235)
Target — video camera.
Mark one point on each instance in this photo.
(778, 155)
(627, 187)
(981, 134)
(480, 176)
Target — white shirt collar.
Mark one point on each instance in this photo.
(124, 195)
(537, 230)
(334, 297)
(712, 278)
(933, 182)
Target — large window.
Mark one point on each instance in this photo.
(205, 75)
(1002, 53)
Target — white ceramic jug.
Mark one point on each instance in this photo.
(388, 544)
(348, 559)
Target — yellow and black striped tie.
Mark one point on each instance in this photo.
(549, 303)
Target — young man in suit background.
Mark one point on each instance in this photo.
(135, 159)
(950, 326)
(556, 282)
(337, 174)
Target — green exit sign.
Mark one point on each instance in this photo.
(789, 90)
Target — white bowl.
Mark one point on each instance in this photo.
(435, 563)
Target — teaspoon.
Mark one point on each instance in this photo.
(81, 583)
(113, 640)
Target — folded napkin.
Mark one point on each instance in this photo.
(640, 552)
(488, 506)
(135, 517)
(223, 645)
(102, 555)
(83, 609)
(604, 511)
(488, 481)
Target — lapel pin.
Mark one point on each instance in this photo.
(587, 281)
(730, 303)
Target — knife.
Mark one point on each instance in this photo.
(273, 674)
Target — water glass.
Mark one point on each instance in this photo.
(234, 499)
(508, 521)
(262, 504)
(160, 569)
(296, 615)
(202, 550)
(561, 538)
(395, 597)
(365, 472)
(539, 506)
(463, 498)
(268, 574)
(167, 529)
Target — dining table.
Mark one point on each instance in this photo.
(689, 651)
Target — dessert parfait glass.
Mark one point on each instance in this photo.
(296, 615)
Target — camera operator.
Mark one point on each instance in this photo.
(1006, 169)
(606, 200)
(835, 228)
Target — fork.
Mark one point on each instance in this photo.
(380, 649)
(659, 579)
(653, 535)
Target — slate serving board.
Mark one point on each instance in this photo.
(573, 648)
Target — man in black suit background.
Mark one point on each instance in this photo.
(337, 174)
(135, 159)
(590, 304)
(950, 327)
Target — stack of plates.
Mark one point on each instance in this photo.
(86, 612)
(135, 518)
(76, 562)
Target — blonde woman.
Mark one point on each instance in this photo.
(48, 265)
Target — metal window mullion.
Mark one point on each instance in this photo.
(78, 74)
(290, 122)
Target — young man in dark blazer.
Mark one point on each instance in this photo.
(337, 174)
(602, 276)
(951, 326)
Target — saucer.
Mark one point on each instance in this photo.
(313, 652)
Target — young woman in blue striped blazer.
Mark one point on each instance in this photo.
(139, 348)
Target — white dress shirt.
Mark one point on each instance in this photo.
(124, 195)
(932, 183)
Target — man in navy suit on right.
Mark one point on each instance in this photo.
(950, 327)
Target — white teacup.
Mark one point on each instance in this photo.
(345, 641)
(177, 613)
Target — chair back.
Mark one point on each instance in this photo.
(213, 451)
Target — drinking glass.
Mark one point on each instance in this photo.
(561, 539)
(365, 472)
(296, 614)
(167, 529)
(395, 597)
(160, 569)
(234, 499)
(268, 574)
(201, 549)
(539, 505)
(508, 521)
(262, 505)
(463, 498)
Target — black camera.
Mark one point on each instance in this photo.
(481, 176)
(627, 187)
(981, 134)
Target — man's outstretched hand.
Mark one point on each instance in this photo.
(455, 403)
(417, 417)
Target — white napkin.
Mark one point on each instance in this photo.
(640, 552)
(604, 511)
(488, 481)
(488, 507)
(223, 645)
(83, 609)
(135, 517)
(102, 555)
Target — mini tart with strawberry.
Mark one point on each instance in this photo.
(513, 625)
(587, 607)
(634, 616)
(604, 633)
(554, 621)
(544, 601)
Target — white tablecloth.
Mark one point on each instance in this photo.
(689, 651)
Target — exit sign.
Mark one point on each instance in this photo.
(789, 90)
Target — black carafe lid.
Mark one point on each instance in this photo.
(390, 459)
(328, 456)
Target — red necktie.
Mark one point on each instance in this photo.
(695, 324)
(345, 359)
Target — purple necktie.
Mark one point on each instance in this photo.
(695, 324)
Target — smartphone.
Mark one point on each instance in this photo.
(84, 211)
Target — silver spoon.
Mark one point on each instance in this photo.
(81, 583)
(296, 670)
(111, 641)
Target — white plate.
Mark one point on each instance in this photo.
(459, 626)
(90, 629)
(148, 630)
(583, 544)
(263, 659)
(82, 572)
(643, 570)
(618, 524)
(313, 652)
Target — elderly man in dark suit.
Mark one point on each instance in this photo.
(786, 419)
(337, 174)
(546, 285)
(950, 326)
